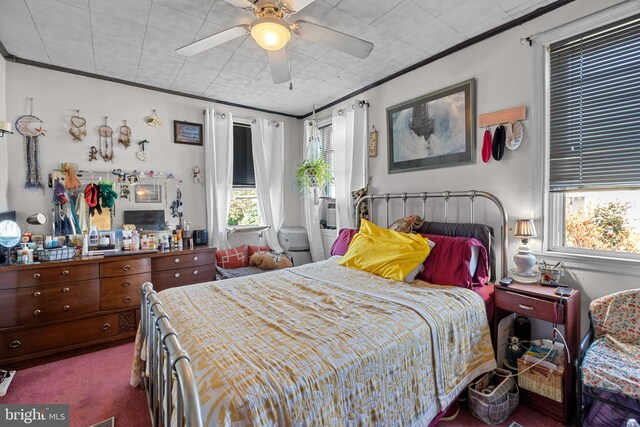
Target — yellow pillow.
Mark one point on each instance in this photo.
(384, 252)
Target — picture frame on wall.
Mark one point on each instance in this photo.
(433, 131)
(187, 133)
(148, 193)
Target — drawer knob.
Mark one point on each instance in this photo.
(37, 293)
(126, 284)
(36, 275)
(126, 267)
(127, 299)
(195, 258)
(177, 260)
(525, 307)
(36, 312)
(65, 290)
(105, 326)
(15, 344)
(66, 307)
(177, 275)
(65, 272)
(195, 271)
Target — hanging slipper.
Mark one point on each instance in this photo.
(514, 135)
(486, 146)
(498, 143)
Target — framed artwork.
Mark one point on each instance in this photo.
(433, 131)
(187, 133)
(148, 193)
(373, 143)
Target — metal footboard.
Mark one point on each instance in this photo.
(171, 388)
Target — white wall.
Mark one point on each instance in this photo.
(4, 173)
(503, 69)
(56, 97)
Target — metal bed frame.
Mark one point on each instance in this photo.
(172, 392)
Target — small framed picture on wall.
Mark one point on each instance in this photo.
(187, 133)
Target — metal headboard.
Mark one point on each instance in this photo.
(443, 195)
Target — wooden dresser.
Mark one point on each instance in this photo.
(51, 310)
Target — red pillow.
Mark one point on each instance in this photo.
(233, 258)
(254, 249)
(341, 245)
(449, 262)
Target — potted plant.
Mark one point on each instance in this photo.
(312, 174)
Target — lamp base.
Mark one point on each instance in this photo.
(524, 260)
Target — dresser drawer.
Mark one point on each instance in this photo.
(122, 292)
(34, 340)
(162, 280)
(48, 275)
(125, 267)
(24, 306)
(527, 305)
(180, 260)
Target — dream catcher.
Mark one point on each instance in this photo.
(153, 120)
(106, 142)
(142, 155)
(125, 135)
(31, 128)
(78, 129)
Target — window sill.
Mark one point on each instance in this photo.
(606, 264)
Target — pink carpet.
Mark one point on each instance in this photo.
(96, 385)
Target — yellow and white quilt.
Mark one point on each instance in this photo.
(323, 344)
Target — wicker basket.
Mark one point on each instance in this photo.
(541, 380)
(493, 405)
(56, 254)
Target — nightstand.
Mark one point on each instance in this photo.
(533, 300)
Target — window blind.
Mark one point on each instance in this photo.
(326, 140)
(243, 174)
(594, 109)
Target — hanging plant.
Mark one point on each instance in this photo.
(312, 174)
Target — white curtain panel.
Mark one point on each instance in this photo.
(350, 134)
(218, 161)
(311, 209)
(267, 139)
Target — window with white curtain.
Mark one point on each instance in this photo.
(243, 209)
(594, 141)
(326, 142)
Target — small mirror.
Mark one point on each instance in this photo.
(9, 234)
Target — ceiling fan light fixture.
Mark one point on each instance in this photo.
(271, 33)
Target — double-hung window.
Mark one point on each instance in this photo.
(243, 209)
(593, 127)
(326, 143)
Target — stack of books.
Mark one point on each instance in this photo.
(548, 356)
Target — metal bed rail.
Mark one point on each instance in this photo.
(444, 195)
(168, 379)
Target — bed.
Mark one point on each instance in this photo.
(319, 344)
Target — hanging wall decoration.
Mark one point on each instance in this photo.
(142, 155)
(106, 141)
(196, 174)
(93, 153)
(153, 120)
(125, 135)
(31, 128)
(78, 129)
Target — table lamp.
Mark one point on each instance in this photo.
(524, 259)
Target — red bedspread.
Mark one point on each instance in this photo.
(486, 292)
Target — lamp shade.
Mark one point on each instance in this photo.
(525, 228)
(5, 127)
(37, 219)
(271, 33)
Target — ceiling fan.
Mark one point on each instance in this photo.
(272, 32)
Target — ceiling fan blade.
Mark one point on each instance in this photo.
(279, 66)
(213, 40)
(294, 6)
(332, 38)
(242, 4)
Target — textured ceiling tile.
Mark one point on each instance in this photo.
(72, 37)
(214, 58)
(339, 59)
(378, 37)
(310, 49)
(27, 48)
(399, 54)
(210, 28)
(313, 13)
(299, 62)
(232, 80)
(367, 10)
(173, 21)
(225, 15)
(110, 55)
(320, 70)
(249, 47)
(135, 11)
(64, 57)
(61, 15)
(304, 83)
(430, 35)
(127, 74)
(244, 65)
(447, 43)
(403, 18)
(165, 42)
(199, 71)
(153, 79)
(77, 3)
(17, 6)
(437, 7)
(12, 23)
(198, 8)
(185, 83)
(165, 68)
(219, 91)
(493, 22)
(260, 88)
(527, 7)
(471, 13)
(116, 29)
(342, 21)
